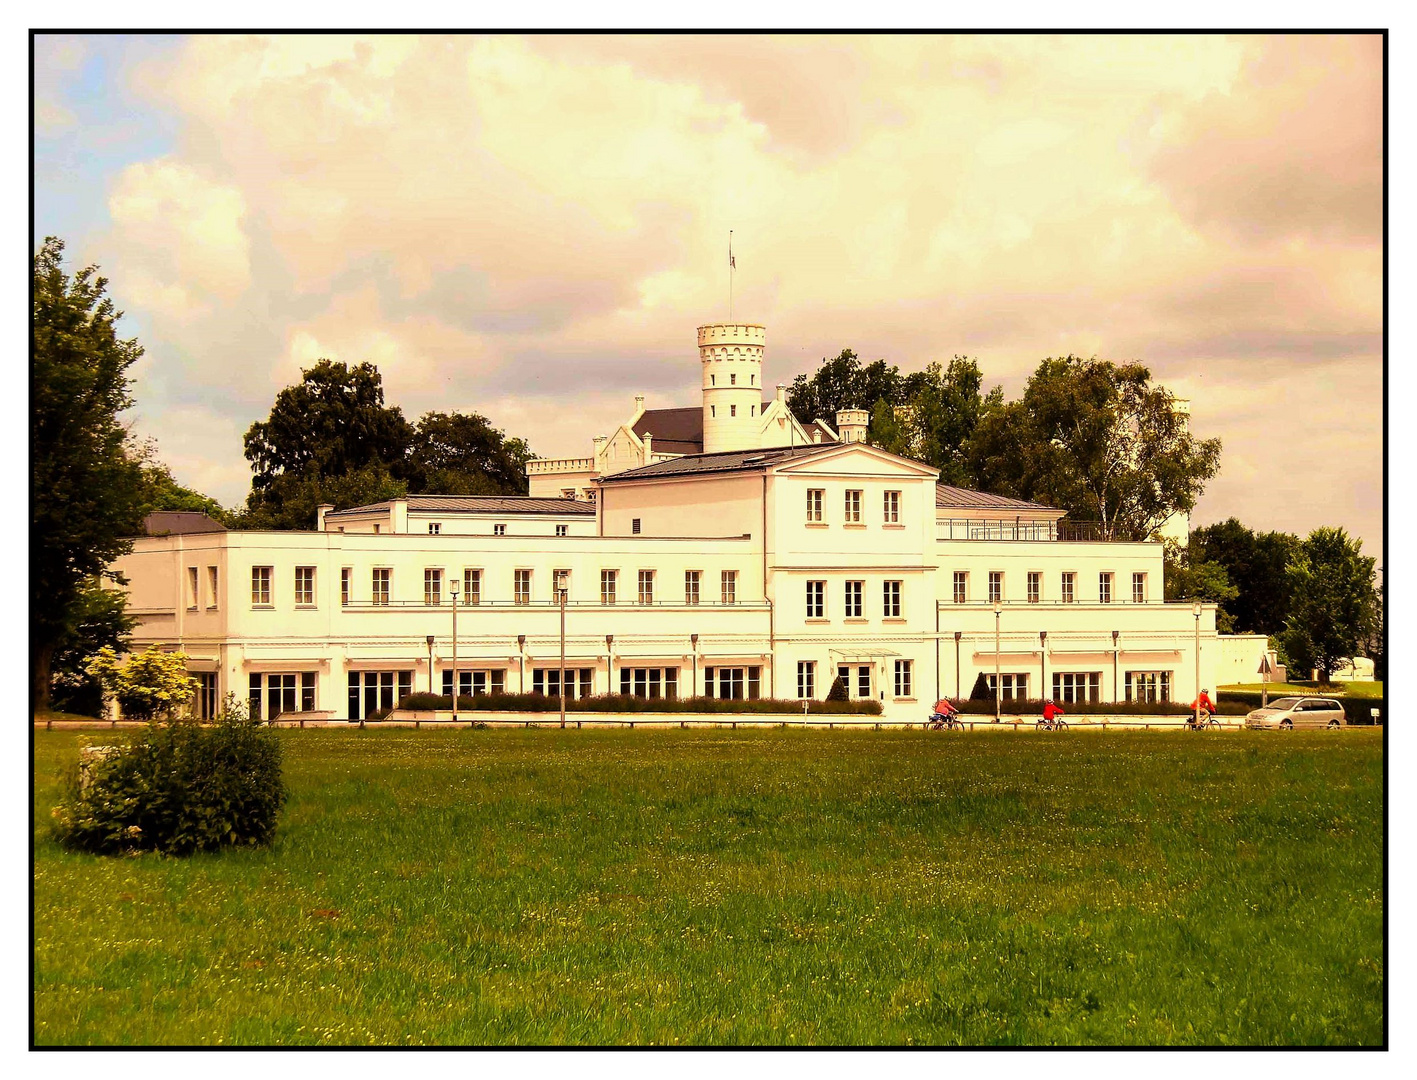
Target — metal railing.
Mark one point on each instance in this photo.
(423, 605)
(1021, 529)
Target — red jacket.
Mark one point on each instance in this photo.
(944, 708)
(1050, 711)
(1203, 702)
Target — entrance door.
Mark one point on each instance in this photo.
(857, 678)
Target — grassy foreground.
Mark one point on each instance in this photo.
(514, 886)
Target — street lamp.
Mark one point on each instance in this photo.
(998, 682)
(1043, 661)
(430, 663)
(453, 592)
(1196, 611)
(561, 591)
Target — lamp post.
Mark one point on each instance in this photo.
(1196, 611)
(453, 593)
(561, 591)
(958, 692)
(998, 682)
(430, 663)
(1115, 634)
(1043, 661)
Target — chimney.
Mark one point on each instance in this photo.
(781, 394)
(649, 449)
(320, 512)
(639, 404)
(816, 434)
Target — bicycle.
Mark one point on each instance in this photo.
(1055, 724)
(945, 722)
(1205, 720)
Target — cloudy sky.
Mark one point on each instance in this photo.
(531, 228)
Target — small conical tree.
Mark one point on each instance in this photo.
(838, 690)
(981, 691)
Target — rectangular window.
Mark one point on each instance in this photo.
(304, 586)
(560, 530)
(816, 599)
(1148, 686)
(649, 682)
(1077, 686)
(472, 586)
(204, 701)
(432, 587)
(1069, 580)
(193, 583)
(806, 679)
(521, 587)
(853, 507)
(635, 526)
(608, 579)
(961, 586)
(733, 410)
(1035, 586)
(691, 587)
(1139, 588)
(1014, 684)
(892, 507)
(996, 587)
(499, 530)
(261, 586)
(476, 681)
(211, 588)
(729, 581)
(434, 528)
(383, 578)
(548, 681)
(854, 590)
(374, 693)
(862, 683)
(904, 686)
(733, 683)
(285, 692)
(1104, 588)
(814, 504)
(646, 581)
(890, 606)
(346, 585)
(732, 380)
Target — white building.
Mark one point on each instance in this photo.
(757, 557)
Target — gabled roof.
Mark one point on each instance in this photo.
(725, 461)
(485, 504)
(177, 522)
(958, 498)
(675, 431)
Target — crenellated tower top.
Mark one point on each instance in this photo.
(731, 356)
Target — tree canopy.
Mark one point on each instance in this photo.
(1256, 563)
(1333, 601)
(87, 488)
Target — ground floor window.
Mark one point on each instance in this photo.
(475, 681)
(548, 681)
(733, 683)
(204, 699)
(856, 678)
(904, 682)
(806, 679)
(650, 682)
(284, 692)
(1014, 685)
(374, 692)
(1077, 686)
(1148, 686)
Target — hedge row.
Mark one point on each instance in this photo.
(1017, 707)
(626, 703)
(1357, 709)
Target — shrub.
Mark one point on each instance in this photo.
(630, 704)
(147, 685)
(178, 788)
(981, 691)
(838, 690)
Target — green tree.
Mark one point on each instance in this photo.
(843, 383)
(165, 493)
(1333, 605)
(944, 406)
(294, 500)
(1190, 578)
(331, 425)
(463, 454)
(1256, 563)
(100, 621)
(149, 684)
(86, 483)
(1099, 440)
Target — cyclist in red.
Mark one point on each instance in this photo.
(1204, 704)
(943, 713)
(1051, 712)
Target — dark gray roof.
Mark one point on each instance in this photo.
(175, 522)
(958, 498)
(725, 461)
(486, 504)
(675, 431)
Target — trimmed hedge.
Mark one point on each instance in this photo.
(177, 788)
(1357, 709)
(625, 703)
(974, 707)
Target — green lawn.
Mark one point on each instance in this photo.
(515, 886)
(1357, 688)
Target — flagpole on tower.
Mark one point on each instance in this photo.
(730, 275)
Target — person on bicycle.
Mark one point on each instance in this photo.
(1051, 712)
(1204, 705)
(943, 713)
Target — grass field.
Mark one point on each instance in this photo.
(513, 886)
(1356, 688)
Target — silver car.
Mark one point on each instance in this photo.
(1298, 712)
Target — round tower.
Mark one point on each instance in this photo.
(731, 355)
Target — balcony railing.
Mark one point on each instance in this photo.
(500, 605)
(1019, 529)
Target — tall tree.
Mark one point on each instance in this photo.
(1188, 577)
(101, 620)
(463, 454)
(1256, 563)
(944, 407)
(163, 492)
(86, 483)
(1099, 440)
(843, 383)
(1332, 600)
(331, 425)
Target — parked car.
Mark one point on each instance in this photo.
(1297, 712)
